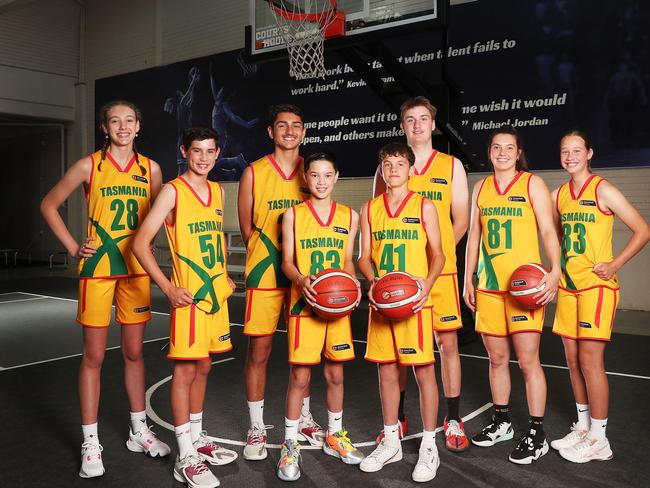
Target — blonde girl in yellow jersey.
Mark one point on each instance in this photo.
(408, 342)
(585, 208)
(119, 184)
(191, 208)
(309, 336)
(508, 208)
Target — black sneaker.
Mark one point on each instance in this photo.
(492, 433)
(529, 448)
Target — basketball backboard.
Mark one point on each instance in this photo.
(361, 17)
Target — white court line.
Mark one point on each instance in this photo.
(23, 300)
(474, 356)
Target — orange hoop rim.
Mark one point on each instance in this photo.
(319, 17)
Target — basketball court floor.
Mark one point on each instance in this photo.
(40, 348)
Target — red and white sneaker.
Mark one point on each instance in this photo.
(91, 460)
(455, 438)
(212, 452)
(255, 449)
(146, 441)
(402, 430)
(194, 472)
(310, 431)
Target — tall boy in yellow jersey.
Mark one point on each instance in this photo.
(268, 187)
(319, 219)
(441, 178)
(407, 342)
(191, 208)
(119, 184)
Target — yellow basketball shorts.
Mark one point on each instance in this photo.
(408, 341)
(446, 303)
(499, 314)
(310, 336)
(586, 314)
(263, 310)
(132, 301)
(195, 334)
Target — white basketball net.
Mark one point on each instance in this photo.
(302, 25)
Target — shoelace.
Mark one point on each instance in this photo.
(196, 462)
(525, 442)
(429, 456)
(257, 432)
(492, 428)
(87, 446)
(381, 448)
(453, 428)
(343, 438)
(206, 440)
(292, 453)
(586, 443)
(146, 431)
(310, 422)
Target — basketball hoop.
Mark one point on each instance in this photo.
(304, 25)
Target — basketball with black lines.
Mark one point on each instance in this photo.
(525, 283)
(336, 294)
(395, 294)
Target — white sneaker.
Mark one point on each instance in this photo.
(91, 460)
(492, 433)
(212, 452)
(310, 431)
(588, 449)
(427, 465)
(383, 454)
(194, 472)
(572, 438)
(146, 441)
(255, 449)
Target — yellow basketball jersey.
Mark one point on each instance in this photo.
(118, 201)
(398, 241)
(509, 231)
(318, 245)
(197, 245)
(586, 235)
(273, 193)
(434, 183)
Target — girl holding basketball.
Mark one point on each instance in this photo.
(119, 184)
(317, 235)
(508, 208)
(585, 207)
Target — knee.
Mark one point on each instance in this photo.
(300, 377)
(498, 359)
(184, 372)
(203, 367)
(334, 376)
(132, 354)
(591, 363)
(572, 362)
(258, 354)
(529, 365)
(93, 358)
(448, 344)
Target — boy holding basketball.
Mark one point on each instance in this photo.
(317, 235)
(399, 228)
(191, 208)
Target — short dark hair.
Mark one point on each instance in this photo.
(320, 154)
(199, 133)
(397, 149)
(277, 109)
(522, 160)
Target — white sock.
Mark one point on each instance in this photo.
(391, 434)
(583, 416)
(428, 437)
(598, 428)
(291, 429)
(334, 421)
(196, 425)
(90, 433)
(256, 412)
(138, 421)
(304, 412)
(184, 439)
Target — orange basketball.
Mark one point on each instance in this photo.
(395, 294)
(336, 294)
(524, 283)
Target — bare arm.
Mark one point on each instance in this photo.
(245, 204)
(162, 208)
(434, 252)
(471, 251)
(156, 179)
(459, 196)
(77, 175)
(556, 215)
(365, 256)
(614, 201)
(348, 266)
(378, 184)
(289, 267)
(542, 205)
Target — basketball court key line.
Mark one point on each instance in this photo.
(360, 341)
